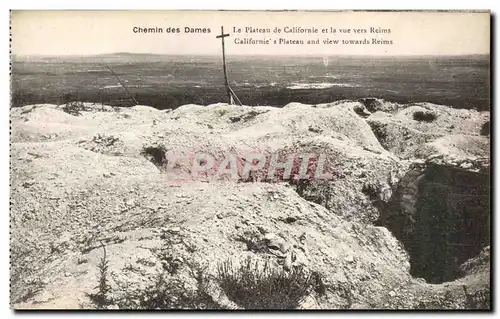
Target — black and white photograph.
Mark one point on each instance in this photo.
(250, 160)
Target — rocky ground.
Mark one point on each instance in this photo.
(87, 176)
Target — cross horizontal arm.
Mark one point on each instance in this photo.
(222, 35)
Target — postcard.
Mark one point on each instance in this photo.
(242, 160)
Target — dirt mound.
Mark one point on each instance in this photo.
(411, 132)
(104, 179)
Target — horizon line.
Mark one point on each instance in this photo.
(252, 55)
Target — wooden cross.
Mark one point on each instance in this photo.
(226, 82)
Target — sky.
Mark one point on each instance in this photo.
(100, 32)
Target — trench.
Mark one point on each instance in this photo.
(441, 214)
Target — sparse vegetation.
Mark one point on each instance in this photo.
(101, 297)
(254, 284)
(251, 284)
(263, 285)
(422, 116)
(164, 291)
(74, 108)
(246, 117)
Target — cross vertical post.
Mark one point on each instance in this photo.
(226, 82)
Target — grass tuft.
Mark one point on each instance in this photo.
(257, 285)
